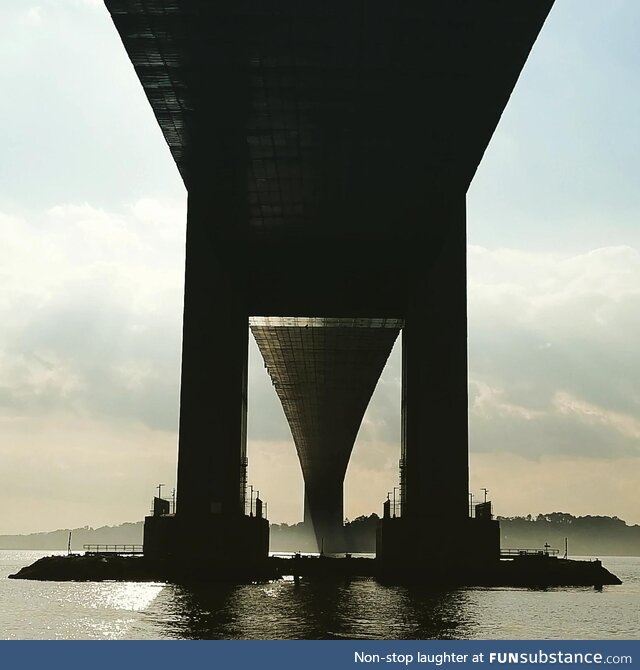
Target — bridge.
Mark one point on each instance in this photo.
(327, 147)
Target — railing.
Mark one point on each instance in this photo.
(513, 553)
(251, 509)
(395, 509)
(392, 508)
(112, 548)
(251, 505)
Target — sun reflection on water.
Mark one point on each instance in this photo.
(125, 596)
(69, 610)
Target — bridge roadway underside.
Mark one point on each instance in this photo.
(327, 148)
(324, 372)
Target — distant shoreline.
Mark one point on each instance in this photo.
(587, 535)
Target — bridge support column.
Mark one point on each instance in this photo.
(435, 443)
(434, 527)
(213, 393)
(324, 510)
(210, 516)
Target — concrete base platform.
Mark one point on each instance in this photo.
(407, 546)
(234, 540)
(532, 572)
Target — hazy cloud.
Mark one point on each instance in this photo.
(91, 307)
(553, 353)
(91, 298)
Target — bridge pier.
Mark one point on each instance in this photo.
(324, 510)
(434, 527)
(435, 442)
(210, 518)
(213, 393)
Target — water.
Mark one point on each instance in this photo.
(356, 609)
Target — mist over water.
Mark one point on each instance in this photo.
(320, 609)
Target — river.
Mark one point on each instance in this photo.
(356, 609)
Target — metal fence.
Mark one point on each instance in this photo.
(112, 548)
(251, 505)
(513, 553)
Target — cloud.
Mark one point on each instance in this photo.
(91, 307)
(627, 426)
(75, 121)
(34, 15)
(553, 356)
(91, 310)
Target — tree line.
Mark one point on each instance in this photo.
(586, 535)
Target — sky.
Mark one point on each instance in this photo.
(92, 227)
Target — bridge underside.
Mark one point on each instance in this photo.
(324, 372)
(327, 148)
